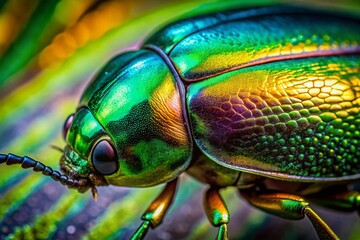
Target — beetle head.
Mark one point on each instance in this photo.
(129, 128)
(89, 153)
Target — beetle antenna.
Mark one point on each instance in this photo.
(82, 184)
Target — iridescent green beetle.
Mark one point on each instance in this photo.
(265, 99)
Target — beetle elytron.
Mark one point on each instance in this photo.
(249, 98)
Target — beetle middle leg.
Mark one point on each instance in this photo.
(287, 206)
(155, 213)
(217, 212)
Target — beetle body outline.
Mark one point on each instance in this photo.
(82, 170)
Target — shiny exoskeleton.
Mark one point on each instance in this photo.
(264, 99)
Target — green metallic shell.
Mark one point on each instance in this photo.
(272, 91)
(295, 118)
(212, 44)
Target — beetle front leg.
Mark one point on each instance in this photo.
(217, 212)
(288, 206)
(155, 213)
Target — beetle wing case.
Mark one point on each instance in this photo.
(272, 91)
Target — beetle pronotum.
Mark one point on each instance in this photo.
(249, 98)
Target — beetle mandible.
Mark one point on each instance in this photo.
(264, 99)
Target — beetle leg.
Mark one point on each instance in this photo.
(217, 212)
(343, 200)
(155, 213)
(288, 206)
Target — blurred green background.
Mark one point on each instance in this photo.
(49, 50)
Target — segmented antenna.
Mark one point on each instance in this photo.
(37, 166)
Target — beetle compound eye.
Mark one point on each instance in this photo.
(104, 158)
(67, 125)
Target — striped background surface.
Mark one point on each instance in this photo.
(49, 50)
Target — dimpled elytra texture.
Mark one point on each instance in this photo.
(295, 117)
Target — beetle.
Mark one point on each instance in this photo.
(263, 99)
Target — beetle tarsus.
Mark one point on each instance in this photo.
(322, 229)
(141, 231)
(223, 232)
